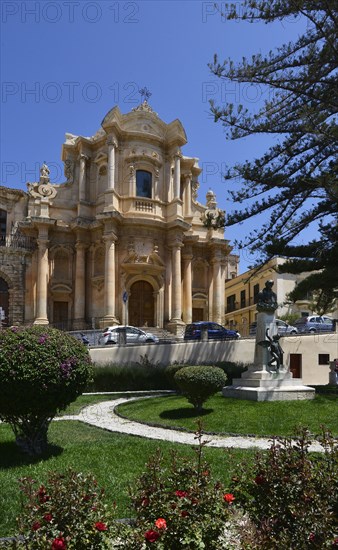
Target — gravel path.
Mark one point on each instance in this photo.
(102, 415)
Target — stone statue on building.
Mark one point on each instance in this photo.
(44, 173)
(267, 299)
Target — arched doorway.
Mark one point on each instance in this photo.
(141, 304)
(4, 302)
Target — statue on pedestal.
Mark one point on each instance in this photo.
(274, 347)
(267, 299)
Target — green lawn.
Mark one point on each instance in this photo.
(226, 415)
(115, 459)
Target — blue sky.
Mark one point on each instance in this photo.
(65, 64)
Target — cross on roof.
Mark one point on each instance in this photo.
(144, 93)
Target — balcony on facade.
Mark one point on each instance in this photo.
(21, 242)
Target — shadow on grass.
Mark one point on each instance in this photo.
(176, 414)
(12, 457)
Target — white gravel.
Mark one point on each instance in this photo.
(102, 415)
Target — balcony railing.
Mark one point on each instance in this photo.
(18, 241)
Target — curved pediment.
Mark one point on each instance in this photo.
(144, 121)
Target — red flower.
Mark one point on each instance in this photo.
(184, 513)
(100, 526)
(48, 517)
(36, 525)
(181, 494)
(59, 544)
(145, 502)
(335, 542)
(151, 535)
(42, 495)
(228, 497)
(312, 537)
(161, 523)
(260, 479)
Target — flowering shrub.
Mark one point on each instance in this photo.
(178, 505)
(197, 384)
(42, 370)
(66, 513)
(292, 495)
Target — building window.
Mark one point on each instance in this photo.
(231, 303)
(3, 221)
(143, 184)
(242, 298)
(323, 359)
(256, 291)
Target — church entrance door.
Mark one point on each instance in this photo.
(4, 302)
(141, 305)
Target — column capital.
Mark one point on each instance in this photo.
(42, 242)
(81, 245)
(109, 238)
(83, 157)
(112, 141)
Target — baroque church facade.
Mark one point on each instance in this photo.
(123, 240)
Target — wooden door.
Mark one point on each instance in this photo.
(60, 315)
(296, 365)
(141, 305)
(197, 314)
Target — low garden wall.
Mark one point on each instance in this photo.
(311, 348)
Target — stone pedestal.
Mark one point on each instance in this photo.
(268, 386)
(263, 382)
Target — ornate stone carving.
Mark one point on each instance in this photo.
(69, 170)
(145, 107)
(43, 188)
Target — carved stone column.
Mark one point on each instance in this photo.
(110, 281)
(176, 300)
(177, 175)
(42, 279)
(112, 146)
(187, 195)
(80, 286)
(82, 178)
(187, 286)
(217, 287)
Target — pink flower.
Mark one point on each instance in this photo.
(151, 535)
(36, 525)
(161, 523)
(181, 494)
(100, 526)
(228, 497)
(59, 544)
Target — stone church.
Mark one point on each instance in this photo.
(123, 240)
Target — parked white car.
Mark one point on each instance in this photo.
(113, 335)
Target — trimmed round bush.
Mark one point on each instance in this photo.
(197, 384)
(42, 370)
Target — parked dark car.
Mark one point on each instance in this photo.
(314, 323)
(215, 331)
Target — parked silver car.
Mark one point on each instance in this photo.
(114, 335)
(283, 328)
(314, 323)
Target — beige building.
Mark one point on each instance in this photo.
(122, 240)
(241, 295)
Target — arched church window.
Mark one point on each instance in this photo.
(143, 184)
